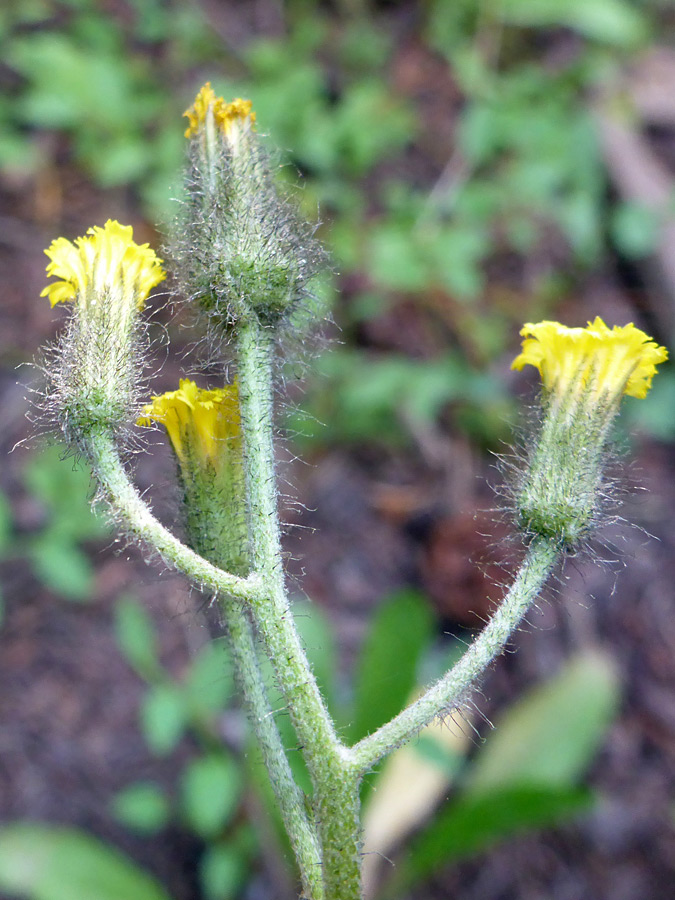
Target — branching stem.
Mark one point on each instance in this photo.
(335, 783)
(289, 796)
(336, 770)
(453, 687)
(128, 505)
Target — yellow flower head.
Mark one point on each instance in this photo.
(105, 261)
(197, 421)
(226, 115)
(606, 362)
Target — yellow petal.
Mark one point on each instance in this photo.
(197, 420)
(226, 115)
(604, 361)
(104, 261)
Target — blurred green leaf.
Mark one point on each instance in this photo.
(210, 791)
(69, 83)
(635, 229)
(29, 12)
(609, 21)
(290, 92)
(159, 187)
(449, 24)
(222, 870)
(153, 20)
(127, 157)
(457, 253)
(143, 807)
(209, 681)
(85, 81)
(394, 259)
(64, 487)
(6, 520)
(387, 670)
(578, 214)
(549, 736)
(136, 638)
(377, 398)
(18, 155)
(61, 566)
(370, 124)
(41, 862)
(364, 45)
(474, 823)
(163, 717)
(653, 414)
(478, 134)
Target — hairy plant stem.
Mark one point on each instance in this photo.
(300, 830)
(336, 770)
(127, 504)
(334, 779)
(215, 528)
(454, 686)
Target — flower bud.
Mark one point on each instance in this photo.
(241, 250)
(96, 369)
(204, 428)
(585, 372)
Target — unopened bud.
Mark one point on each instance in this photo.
(241, 250)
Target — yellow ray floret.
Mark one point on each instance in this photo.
(225, 115)
(197, 420)
(105, 260)
(605, 361)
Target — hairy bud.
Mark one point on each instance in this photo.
(585, 372)
(241, 250)
(204, 428)
(95, 371)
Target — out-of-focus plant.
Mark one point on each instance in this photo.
(64, 522)
(67, 57)
(526, 170)
(44, 862)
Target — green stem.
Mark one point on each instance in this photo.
(216, 527)
(289, 796)
(338, 811)
(126, 502)
(335, 770)
(272, 612)
(452, 688)
(334, 780)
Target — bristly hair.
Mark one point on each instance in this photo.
(513, 467)
(71, 402)
(239, 247)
